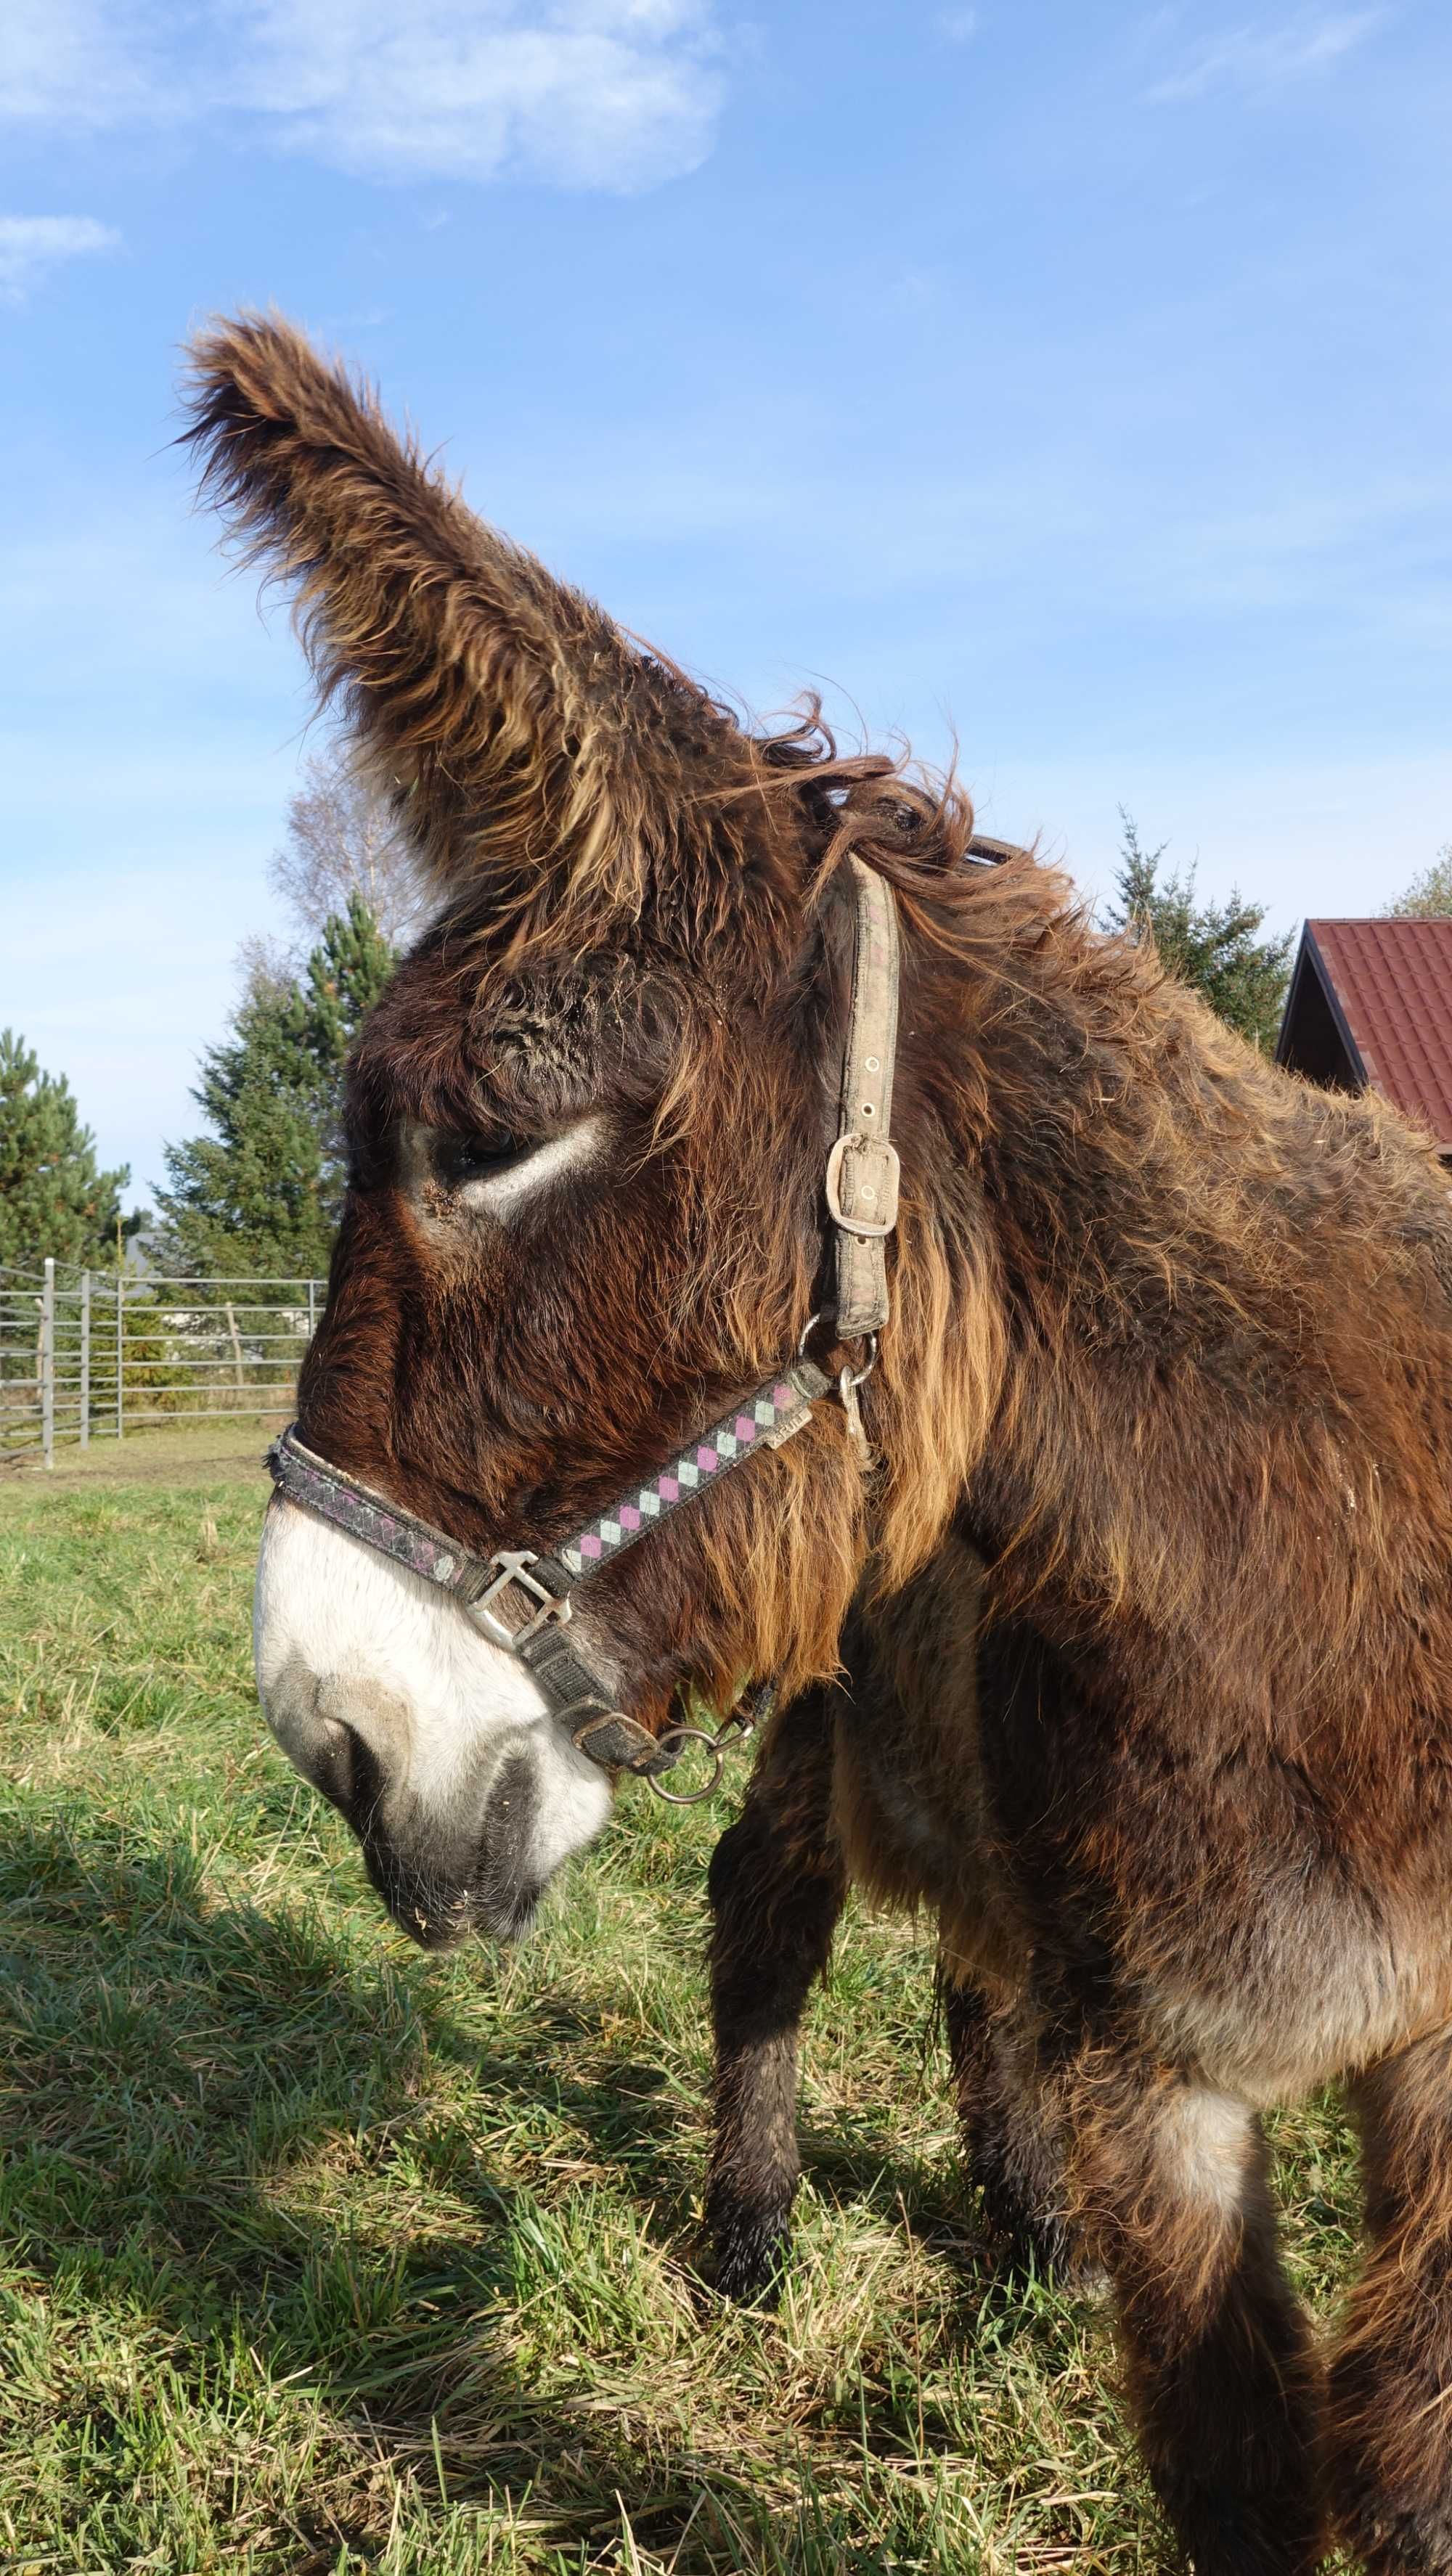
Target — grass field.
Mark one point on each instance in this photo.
(318, 2256)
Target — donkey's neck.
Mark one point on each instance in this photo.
(1164, 1253)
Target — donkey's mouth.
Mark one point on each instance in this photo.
(439, 1915)
(495, 1888)
(466, 1914)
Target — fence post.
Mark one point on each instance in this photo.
(236, 1349)
(47, 1365)
(85, 1359)
(312, 1308)
(120, 1352)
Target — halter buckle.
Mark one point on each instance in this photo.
(514, 1564)
(862, 1186)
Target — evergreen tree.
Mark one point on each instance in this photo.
(261, 1194)
(1428, 894)
(342, 980)
(1217, 947)
(52, 1197)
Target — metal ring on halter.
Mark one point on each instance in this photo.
(716, 1747)
(859, 1377)
(808, 1328)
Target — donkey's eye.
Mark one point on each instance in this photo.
(478, 1158)
(494, 1171)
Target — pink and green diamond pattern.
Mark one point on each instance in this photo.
(780, 1406)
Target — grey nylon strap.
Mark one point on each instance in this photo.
(862, 1169)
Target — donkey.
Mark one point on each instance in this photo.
(1128, 1653)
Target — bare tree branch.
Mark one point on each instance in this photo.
(263, 966)
(342, 840)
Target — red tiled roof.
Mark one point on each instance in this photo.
(1393, 983)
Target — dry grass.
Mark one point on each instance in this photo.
(317, 2257)
(204, 1448)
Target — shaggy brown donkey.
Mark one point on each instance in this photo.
(1166, 1382)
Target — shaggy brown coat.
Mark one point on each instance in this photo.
(1133, 1660)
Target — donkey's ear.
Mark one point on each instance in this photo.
(529, 743)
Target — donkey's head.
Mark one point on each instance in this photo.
(587, 1127)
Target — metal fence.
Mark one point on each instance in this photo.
(93, 1354)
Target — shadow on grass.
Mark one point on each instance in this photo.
(190, 2091)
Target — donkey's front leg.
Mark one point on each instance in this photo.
(1011, 2138)
(1169, 2178)
(776, 1887)
(1391, 2381)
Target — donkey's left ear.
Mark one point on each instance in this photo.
(539, 757)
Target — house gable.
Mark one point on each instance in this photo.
(1370, 1004)
(1314, 1038)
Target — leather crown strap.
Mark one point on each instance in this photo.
(523, 1601)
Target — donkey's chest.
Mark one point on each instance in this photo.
(1223, 1899)
(911, 1799)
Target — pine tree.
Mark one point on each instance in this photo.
(52, 1197)
(1216, 947)
(343, 978)
(261, 1194)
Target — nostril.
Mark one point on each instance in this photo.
(336, 1763)
(345, 1770)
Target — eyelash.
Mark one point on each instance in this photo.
(477, 1158)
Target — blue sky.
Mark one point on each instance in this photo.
(1067, 375)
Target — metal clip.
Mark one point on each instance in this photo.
(856, 1433)
(848, 1382)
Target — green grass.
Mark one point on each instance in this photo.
(318, 2256)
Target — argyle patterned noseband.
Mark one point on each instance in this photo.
(522, 1600)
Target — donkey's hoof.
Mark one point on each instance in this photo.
(1387, 2542)
(1053, 2258)
(749, 2257)
(1038, 2245)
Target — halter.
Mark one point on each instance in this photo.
(524, 1601)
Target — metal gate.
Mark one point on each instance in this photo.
(91, 1354)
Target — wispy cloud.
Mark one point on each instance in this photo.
(80, 63)
(1260, 55)
(32, 245)
(599, 93)
(616, 94)
(957, 26)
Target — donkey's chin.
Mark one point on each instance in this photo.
(440, 1917)
(436, 1745)
(491, 1885)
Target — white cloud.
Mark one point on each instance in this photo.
(85, 63)
(1260, 56)
(31, 245)
(615, 94)
(601, 93)
(957, 26)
